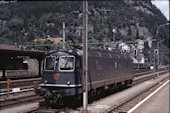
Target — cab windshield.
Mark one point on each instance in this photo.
(50, 63)
(66, 63)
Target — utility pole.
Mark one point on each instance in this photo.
(158, 52)
(154, 66)
(157, 32)
(85, 55)
(63, 35)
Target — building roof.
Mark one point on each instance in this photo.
(42, 40)
(52, 40)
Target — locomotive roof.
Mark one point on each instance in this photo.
(91, 52)
(60, 52)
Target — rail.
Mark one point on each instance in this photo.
(32, 99)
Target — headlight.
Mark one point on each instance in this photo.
(68, 83)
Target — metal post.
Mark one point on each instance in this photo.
(157, 32)
(158, 55)
(154, 67)
(150, 56)
(63, 35)
(113, 37)
(85, 55)
(158, 62)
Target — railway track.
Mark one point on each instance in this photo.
(139, 78)
(136, 74)
(126, 106)
(10, 102)
(66, 110)
(50, 110)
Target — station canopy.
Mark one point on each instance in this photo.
(7, 51)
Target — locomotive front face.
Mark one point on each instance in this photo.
(60, 74)
(59, 71)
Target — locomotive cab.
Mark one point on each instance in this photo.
(60, 75)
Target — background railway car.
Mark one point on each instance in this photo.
(62, 76)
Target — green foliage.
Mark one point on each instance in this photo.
(25, 21)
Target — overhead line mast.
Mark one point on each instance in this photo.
(85, 55)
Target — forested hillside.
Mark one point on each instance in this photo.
(22, 22)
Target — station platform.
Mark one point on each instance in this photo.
(157, 103)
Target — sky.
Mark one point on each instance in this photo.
(163, 5)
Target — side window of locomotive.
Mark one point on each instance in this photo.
(66, 63)
(50, 63)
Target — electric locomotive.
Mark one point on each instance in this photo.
(62, 77)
